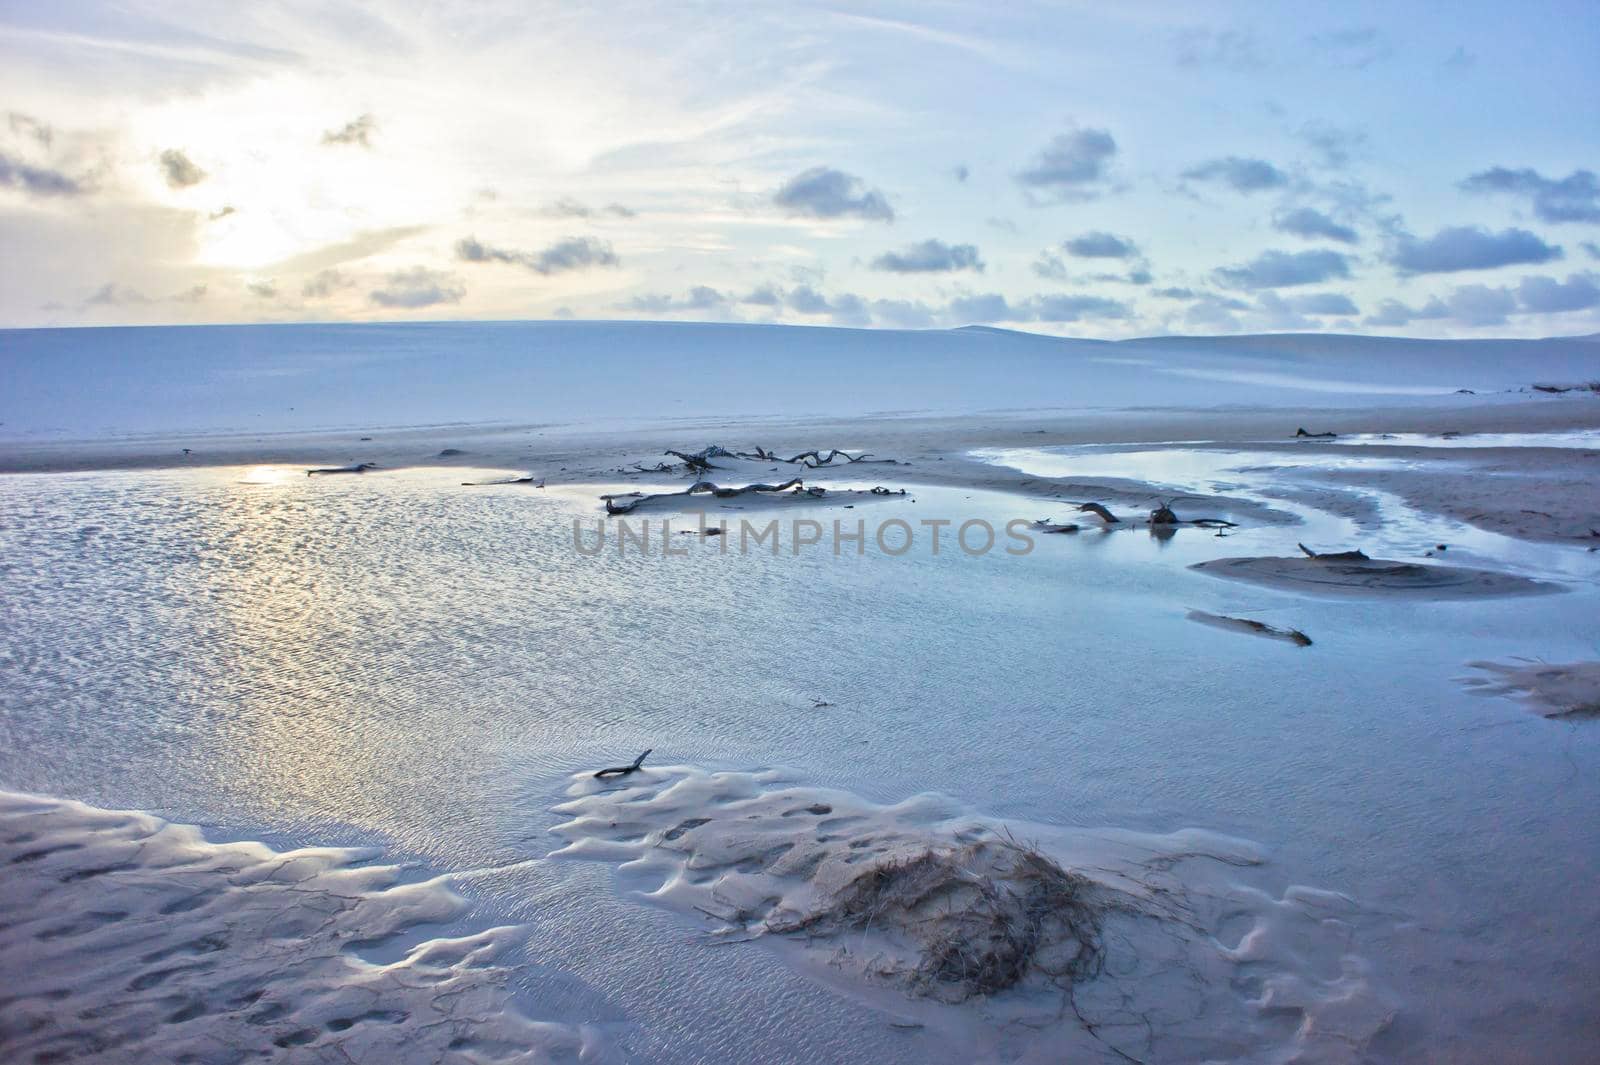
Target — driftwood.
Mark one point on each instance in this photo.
(1104, 514)
(624, 770)
(627, 502)
(1301, 433)
(810, 459)
(359, 467)
(1335, 556)
(1162, 515)
(537, 482)
(1250, 625)
(1045, 526)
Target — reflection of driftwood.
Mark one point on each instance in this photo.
(1258, 628)
(1044, 526)
(527, 478)
(624, 770)
(1335, 556)
(1314, 436)
(623, 504)
(359, 467)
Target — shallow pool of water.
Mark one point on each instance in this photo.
(393, 658)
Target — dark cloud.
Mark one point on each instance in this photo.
(221, 213)
(823, 192)
(1335, 146)
(37, 180)
(31, 128)
(357, 131)
(192, 294)
(699, 298)
(574, 253)
(961, 173)
(1469, 248)
(1227, 49)
(266, 290)
(570, 208)
(1174, 293)
(930, 257)
(1073, 166)
(1355, 48)
(324, 285)
(1097, 244)
(1312, 224)
(1574, 198)
(179, 170)
(1547, 295)
(114, 295)
(417, 287)
(1592, 248)
(1282, 269)
(763, 296)
(1242, 175)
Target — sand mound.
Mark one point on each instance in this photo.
(1571, 690)
(1373, 577)
(1013, 942)
(128, 939)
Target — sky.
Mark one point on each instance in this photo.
(1083, 169)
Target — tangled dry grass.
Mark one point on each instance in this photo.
(971, 921)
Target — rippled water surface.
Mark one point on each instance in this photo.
(394, 658)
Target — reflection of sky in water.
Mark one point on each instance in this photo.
(1577, 438)
(392, 656)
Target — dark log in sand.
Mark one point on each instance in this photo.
(623, 504)
(624, 770)
(1250, 625)
(1104, 514)
(1334, 556)
(537, 482)
(1302, 434)
(359, 467)
(811, 459)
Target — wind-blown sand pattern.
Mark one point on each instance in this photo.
(131, 939)
(1196, 963)
(1570, 690)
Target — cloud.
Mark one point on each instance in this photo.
(1310, 223)
(113, 295)
(324, 285)
(220, 213)
(357, 131)
(1469, 248)
(930, 257)
(1592, 248)
(36, 180)
(1227, 49)
(573, 253)
(1334, 145)
(1574, 198)
(1468, 304)
(961, 173)
(364, 244)
(1282, 269)
(1098, 244)
(180, 170)
(1323, 303)
(699, 298)
(31, 128)
(993, 307)
(266, 290)
(192, 294)
(1073, 166)
(570, 208)
(1355, 48)
(1547, 295)
(1174, 293)
(418, 287)
(822, 192)
(1242, 175)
